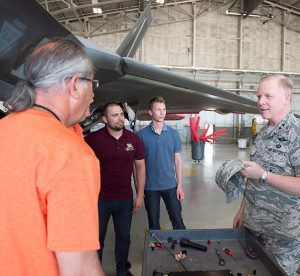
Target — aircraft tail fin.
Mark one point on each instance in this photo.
(134, 38)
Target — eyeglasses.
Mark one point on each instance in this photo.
(95, 83)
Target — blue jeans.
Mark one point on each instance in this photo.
(120, 210)
(173, 205)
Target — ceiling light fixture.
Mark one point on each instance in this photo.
(96, 10)
(160, 1)
(238, 13)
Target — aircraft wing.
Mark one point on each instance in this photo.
(122, 79)
(141, 82)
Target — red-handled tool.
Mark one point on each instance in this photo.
(158, 244)
(229, 253)
(248, 250)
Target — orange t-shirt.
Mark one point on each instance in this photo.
(49, 186)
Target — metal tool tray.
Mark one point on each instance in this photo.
(163, 261)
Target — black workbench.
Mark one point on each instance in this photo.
(164, 261)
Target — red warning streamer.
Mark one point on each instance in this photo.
(204, 137)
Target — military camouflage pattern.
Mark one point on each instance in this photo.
(229, 180)
(271, 213)
(286, 252)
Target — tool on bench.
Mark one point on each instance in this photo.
(187, 243)
(152, 245)
(229, 253)
(173, 245)
(159, 244)
(181, 255)
(154, 236)
(248, 250)
(221, 260)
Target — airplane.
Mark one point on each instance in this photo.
(122, 78)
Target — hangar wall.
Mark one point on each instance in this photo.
(179, 38)
(217, 42)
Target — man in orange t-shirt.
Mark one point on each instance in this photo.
(49, 176)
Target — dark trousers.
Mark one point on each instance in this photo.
(173, 205)
(120, 210)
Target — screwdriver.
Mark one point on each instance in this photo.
(229, 253)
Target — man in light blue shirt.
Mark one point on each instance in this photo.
(162, 146)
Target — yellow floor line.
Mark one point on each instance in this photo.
(191, 171)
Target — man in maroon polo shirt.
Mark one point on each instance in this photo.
(117, 149)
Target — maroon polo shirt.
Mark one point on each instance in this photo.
(116, 161)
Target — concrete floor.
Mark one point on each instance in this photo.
(204, 206)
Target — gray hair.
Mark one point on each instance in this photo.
(50, 64)
(285, 84)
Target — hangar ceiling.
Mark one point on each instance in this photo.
(79, 17)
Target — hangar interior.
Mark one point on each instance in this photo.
(213, 41)
(216, 42)
(210, 41)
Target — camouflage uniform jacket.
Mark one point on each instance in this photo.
(269, 211)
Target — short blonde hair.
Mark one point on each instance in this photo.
(285, 84)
